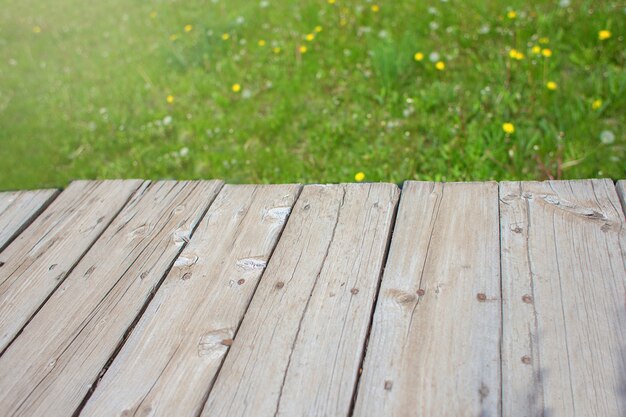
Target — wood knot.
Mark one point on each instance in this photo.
(526, 360)
(483, 392)
(481, 297)
(214, 344)
(527, 299)
(306, 207)
(49, 269)
(241, 281)
(388, 385)
(406, 298)
(354, 291)
(279, 285)
(516, 229)
(186, 276)
(421, 292)
(143, 275)
(401, 297)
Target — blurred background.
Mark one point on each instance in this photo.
(311, 90)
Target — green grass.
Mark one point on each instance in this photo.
(86, 96)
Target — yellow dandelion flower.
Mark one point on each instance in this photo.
(188, 28)
(419, 56)
(36, 29)
(604, 35)
(343, 21)
(169, 99)
(511, 14)
(261, 42)
(546, 52)
(375, 8)
(276, 50)
(225, 36)
(596, 104)
(153, 14)
(515, 54)
(302, 49)
(551, 85)
(309, 37)
(359, 176)
(318, 29)
(331, 1)
(440, 65)
(544, 40)
(536, 50)
(508, 128)
(173, 37)
(236, 88)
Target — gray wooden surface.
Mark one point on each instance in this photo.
(184, 335)
(40, 258)
(564, 295)
(51, 366)
(18, 208)
(313, 308)
(197, 299)
(437, 322)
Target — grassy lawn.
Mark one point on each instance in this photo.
(311, 90)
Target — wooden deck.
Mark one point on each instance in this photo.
(203, 299)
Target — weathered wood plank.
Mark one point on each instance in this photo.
(563, 287)
(621, 191)
(300, 345)
(167, 365)
(434, 349)
(38, 260)
(51, 365)
(18, 209)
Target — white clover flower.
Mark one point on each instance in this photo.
(607, 137)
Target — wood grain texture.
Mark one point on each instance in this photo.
(169, 362)
(50, 367)
(621, 191)
(300, 345)
(18, 209)
(434, 349)
(564, 294)
(38, 260)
